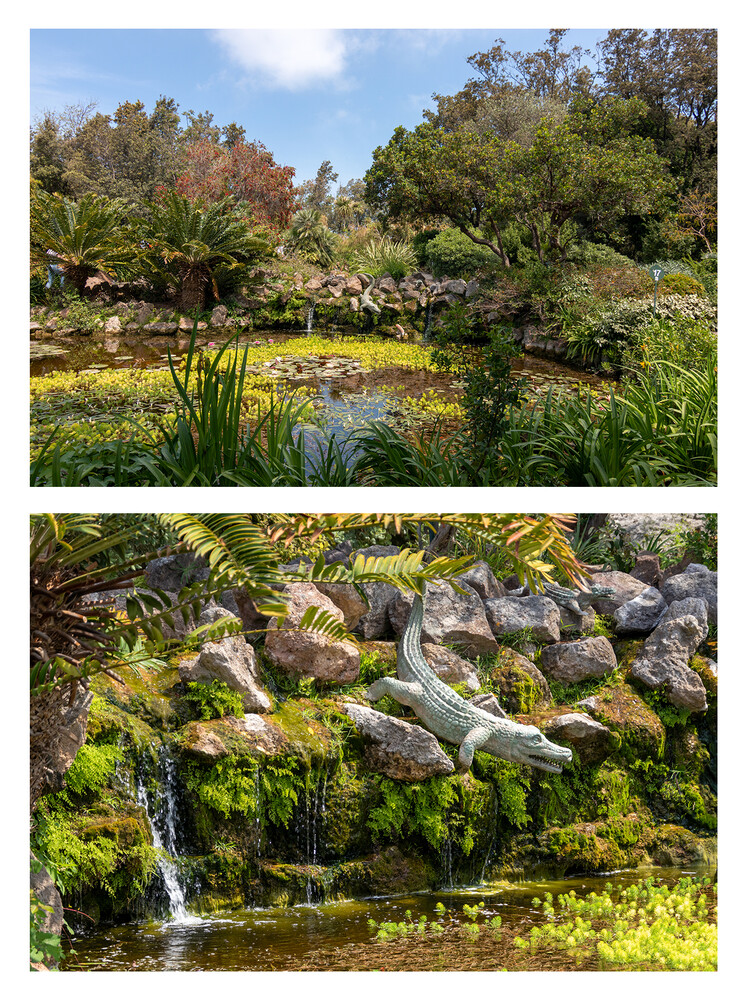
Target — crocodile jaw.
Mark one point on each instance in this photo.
(544, 762)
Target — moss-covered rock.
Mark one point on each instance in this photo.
(625, 712)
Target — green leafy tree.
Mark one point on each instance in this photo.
(190, 241)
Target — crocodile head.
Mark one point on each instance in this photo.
(526, 744)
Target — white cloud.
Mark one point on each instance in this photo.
(289, 59)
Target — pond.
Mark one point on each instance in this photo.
(346, 393)
(336, 935)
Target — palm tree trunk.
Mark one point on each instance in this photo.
(193, 289)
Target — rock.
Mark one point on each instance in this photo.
(174, 572)
(455, 287)
(353, 286)
(624, 712)
(263, 737)
(522, 686)
(480, 578)
(112, 325)
(640, 614)
(637, 528)
(450, 618)
(396, 748)
(508, 615)
(626, 588)
(647, 569)
(233, 661)
(450, 667)
(592, 741)
(488, 702)
(663, 661)
(304, 653)
(695, 581)
(472, 288)
(572, 662)
(219, 316)
(161, 329)
(387, 284)
(374, 622)
(569, 621)
(199, 740)
(347, 599)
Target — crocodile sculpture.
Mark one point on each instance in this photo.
(576, 600)
(366, 302)
(453, 719)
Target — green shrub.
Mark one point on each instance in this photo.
(454, 254)
(310, 238)
(681, 284)
(92, 769)
(382, 255)
(215, 699)
(691, 343)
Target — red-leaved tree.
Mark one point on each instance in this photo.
(246, 171)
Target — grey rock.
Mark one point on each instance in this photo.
(625, 585)
(640, 614)
(695, 581)
(507, 615)
(450, 618)
(455, 287)
(450, 667)
(572, 662)
(112, 325)
(161, 329)
(509, 676)
(396, 748)
(374, 622)
(571, 621)
(347, 599)
(592, 741)
(233, 661)
(480, 578)
(663, 660)
(174, 572)
(219, 316)
(307, 654)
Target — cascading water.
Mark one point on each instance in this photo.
(309, 320)
(427, 321)
(162, 819)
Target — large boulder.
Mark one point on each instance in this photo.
(173, 572)
(233, 661)
(450, 618)
(624, 712)
(695, 581)
(508, 615)
(305, 653)
(521, 685)
(592, 741)
(572, 662)
(663, 660)
(625, 585)
(640, 614)
(374, 623)
(396, 748)
(450, 667)
(347, 599)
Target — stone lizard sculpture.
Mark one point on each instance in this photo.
(576, 600)
(450, 717)
(366, 302)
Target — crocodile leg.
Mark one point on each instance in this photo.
(473, 741)
(405, 693)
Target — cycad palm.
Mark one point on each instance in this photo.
(190, 240)
(87, 236)
(309, 237)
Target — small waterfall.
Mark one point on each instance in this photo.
(309, 319)
(162, 820)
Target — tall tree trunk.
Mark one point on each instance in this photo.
(193, 289)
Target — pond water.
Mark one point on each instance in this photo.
(309, 937)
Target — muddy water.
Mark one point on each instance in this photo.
(335, 935)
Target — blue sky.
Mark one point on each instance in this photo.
(308, 95)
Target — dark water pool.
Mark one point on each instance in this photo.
(280, 939)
